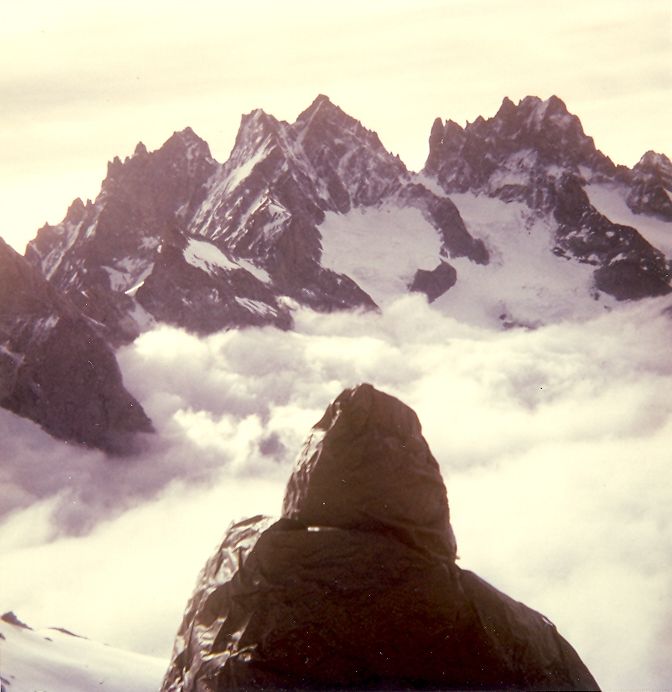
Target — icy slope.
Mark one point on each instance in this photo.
(609, 199)
(524, 284)
(52, 660)
(380, 248)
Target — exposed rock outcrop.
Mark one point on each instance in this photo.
(434, 283)
(651, 187)
(55, 369)
(356, 586)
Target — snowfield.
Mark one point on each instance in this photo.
(49, 660)
(524, 284)
(380, 249)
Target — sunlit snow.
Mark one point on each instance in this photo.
(52, 661)
(524, 283)
(609, 199)
(380, 248)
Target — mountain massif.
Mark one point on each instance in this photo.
(517, 220)
(356, 585)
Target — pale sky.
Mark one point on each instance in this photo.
(84, 81)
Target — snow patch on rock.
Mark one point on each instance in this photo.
(208, 257)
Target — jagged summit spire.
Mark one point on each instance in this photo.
(507, 108)
(188, 139)
(536, 131)
(187, 134)
(534, 113)
(323, 117)
(254, 127)
(321, 103)
(321, 99)
(367, 466)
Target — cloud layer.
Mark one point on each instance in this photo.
(554, 445)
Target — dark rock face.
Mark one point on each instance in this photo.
(509, 155)
(11, 619)
(434, 283)
(356, 586)
(207, 295)
(102, 250)
(54, 367)
(627, 266)
(651, 186)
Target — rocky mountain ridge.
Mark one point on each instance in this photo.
(173, 233)
(175, 236)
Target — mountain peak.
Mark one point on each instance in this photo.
(321, 104)
(323, 119)
(532, 114)
(651, 186)
(367, 466)
(524, 137)
(507, 108)
(187, 140)
(551, 112)
(76, 211)
(255, 126)
(652, 160)
(187, 135)
(321, 99)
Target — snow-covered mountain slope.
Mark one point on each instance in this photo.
(610, 199)
(55, 660)
(526, 283)
(319, 211)
(55, 368)
(381, 248)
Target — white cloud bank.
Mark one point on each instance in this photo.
(554, 446)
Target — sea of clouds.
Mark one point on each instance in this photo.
(554, 445)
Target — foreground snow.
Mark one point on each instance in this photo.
(51, 660)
